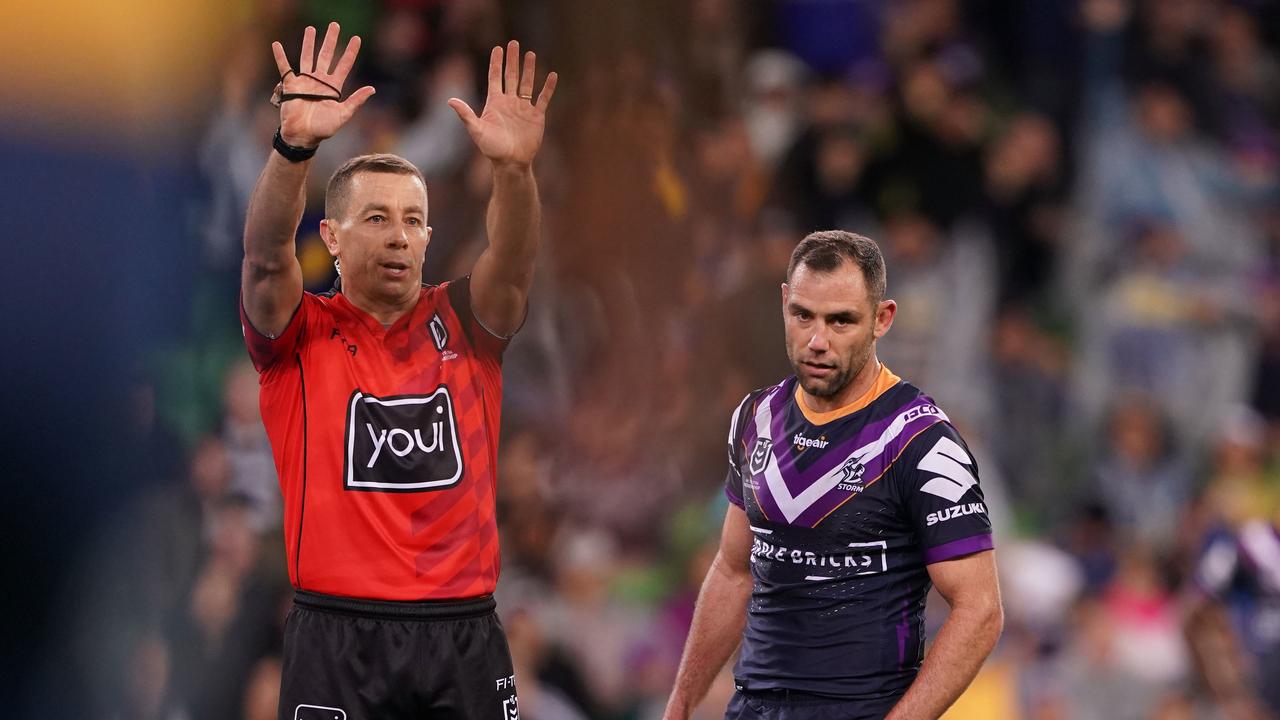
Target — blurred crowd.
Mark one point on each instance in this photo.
(1079, 204)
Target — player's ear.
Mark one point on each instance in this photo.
(786, 293)
(885, 312)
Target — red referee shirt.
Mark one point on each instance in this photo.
(385, 441)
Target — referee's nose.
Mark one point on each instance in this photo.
(399, 239)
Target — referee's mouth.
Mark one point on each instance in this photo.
(395, 269)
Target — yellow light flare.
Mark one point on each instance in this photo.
(112, 70)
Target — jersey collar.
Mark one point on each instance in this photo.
(413, 316)
(884, 380)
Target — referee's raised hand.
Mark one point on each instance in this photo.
(509, 128)
(310, 95)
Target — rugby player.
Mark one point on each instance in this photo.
(851, 494)
(381, 401)
(1233, 618)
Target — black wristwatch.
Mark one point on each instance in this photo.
(292, 153)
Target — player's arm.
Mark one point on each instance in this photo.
(508, 132)
(1220, 658)
(271, 279)
(718, 618)
(970, 587)
(1216, 648)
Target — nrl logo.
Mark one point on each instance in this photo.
(760, 455)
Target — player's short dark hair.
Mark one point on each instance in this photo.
(335, 194)
(826, 250)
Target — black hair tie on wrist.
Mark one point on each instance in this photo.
(292, 153)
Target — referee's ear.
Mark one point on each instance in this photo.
(329, 238)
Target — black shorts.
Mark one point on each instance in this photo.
(349, 659)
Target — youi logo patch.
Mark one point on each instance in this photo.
(405, 443)
(318, 712)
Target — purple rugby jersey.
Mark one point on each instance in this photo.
(847, 510)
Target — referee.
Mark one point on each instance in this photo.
(381, 399)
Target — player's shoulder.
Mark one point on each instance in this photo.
(901, 395)
(752, 400)
(750, 405)
(941, 434)
(923, 420)
(904, 404)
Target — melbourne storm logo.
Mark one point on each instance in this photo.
(852, 469)
(405, 443)
(851, 474)
(760, 455)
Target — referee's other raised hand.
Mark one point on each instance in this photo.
(306, 121)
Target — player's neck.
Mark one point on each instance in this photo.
(859, 386)
(384, 312)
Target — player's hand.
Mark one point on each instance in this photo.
(509, 129)
(304, 123)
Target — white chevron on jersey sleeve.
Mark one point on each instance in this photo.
(948, 460)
